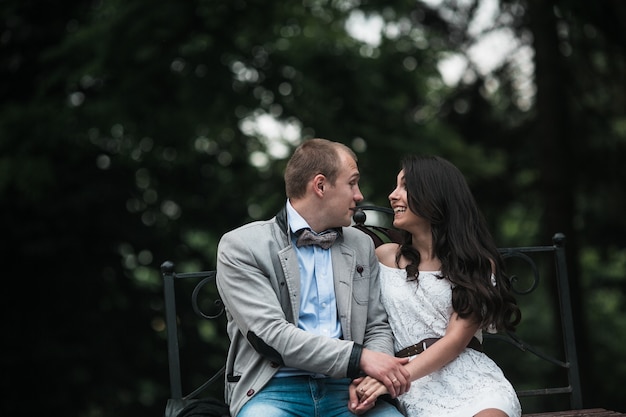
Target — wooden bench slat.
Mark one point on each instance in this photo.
(591, 412)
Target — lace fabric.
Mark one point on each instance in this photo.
(470, 383)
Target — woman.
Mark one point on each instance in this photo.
(442, 287)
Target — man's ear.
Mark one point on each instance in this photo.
(319, 183)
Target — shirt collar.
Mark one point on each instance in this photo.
(295, 220)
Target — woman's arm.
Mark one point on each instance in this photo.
(458, 334)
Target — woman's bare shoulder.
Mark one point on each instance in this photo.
(386, 254)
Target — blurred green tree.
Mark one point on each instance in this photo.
(133, 132)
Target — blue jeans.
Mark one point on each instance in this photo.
(303, 396)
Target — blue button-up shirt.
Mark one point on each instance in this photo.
(318, 305)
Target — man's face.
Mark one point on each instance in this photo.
(341, 198)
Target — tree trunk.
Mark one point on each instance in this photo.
(553, 141)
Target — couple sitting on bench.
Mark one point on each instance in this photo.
(322, 323)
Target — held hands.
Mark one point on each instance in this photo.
(387, 369)
(363, 394)
(386, 374)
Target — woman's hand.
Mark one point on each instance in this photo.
(363, 394)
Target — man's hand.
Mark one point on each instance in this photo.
(388, 370)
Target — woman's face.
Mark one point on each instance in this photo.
(403, 217)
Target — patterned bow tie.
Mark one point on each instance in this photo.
(324, 240)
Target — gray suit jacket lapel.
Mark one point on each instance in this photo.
(291, 271)
(343, 271)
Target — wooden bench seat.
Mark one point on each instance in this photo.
(592, 412)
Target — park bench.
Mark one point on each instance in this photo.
(528, 357)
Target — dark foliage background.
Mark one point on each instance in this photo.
(129, 135)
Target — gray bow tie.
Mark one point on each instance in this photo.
(324, 240)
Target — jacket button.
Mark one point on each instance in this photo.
(274, 364)
(250, 393)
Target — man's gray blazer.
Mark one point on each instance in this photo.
(258, 280)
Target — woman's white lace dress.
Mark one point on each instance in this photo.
(470, 383)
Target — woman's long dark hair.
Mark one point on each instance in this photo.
(438, 192)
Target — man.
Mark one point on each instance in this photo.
(303, 319)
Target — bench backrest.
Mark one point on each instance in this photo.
(538, 274)
(202, 292)
(539, 280)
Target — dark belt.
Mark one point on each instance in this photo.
(418, 348)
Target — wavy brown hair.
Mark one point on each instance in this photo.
(438, 192)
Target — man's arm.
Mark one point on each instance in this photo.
(250, 289)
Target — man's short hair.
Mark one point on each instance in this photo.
(312, 157)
